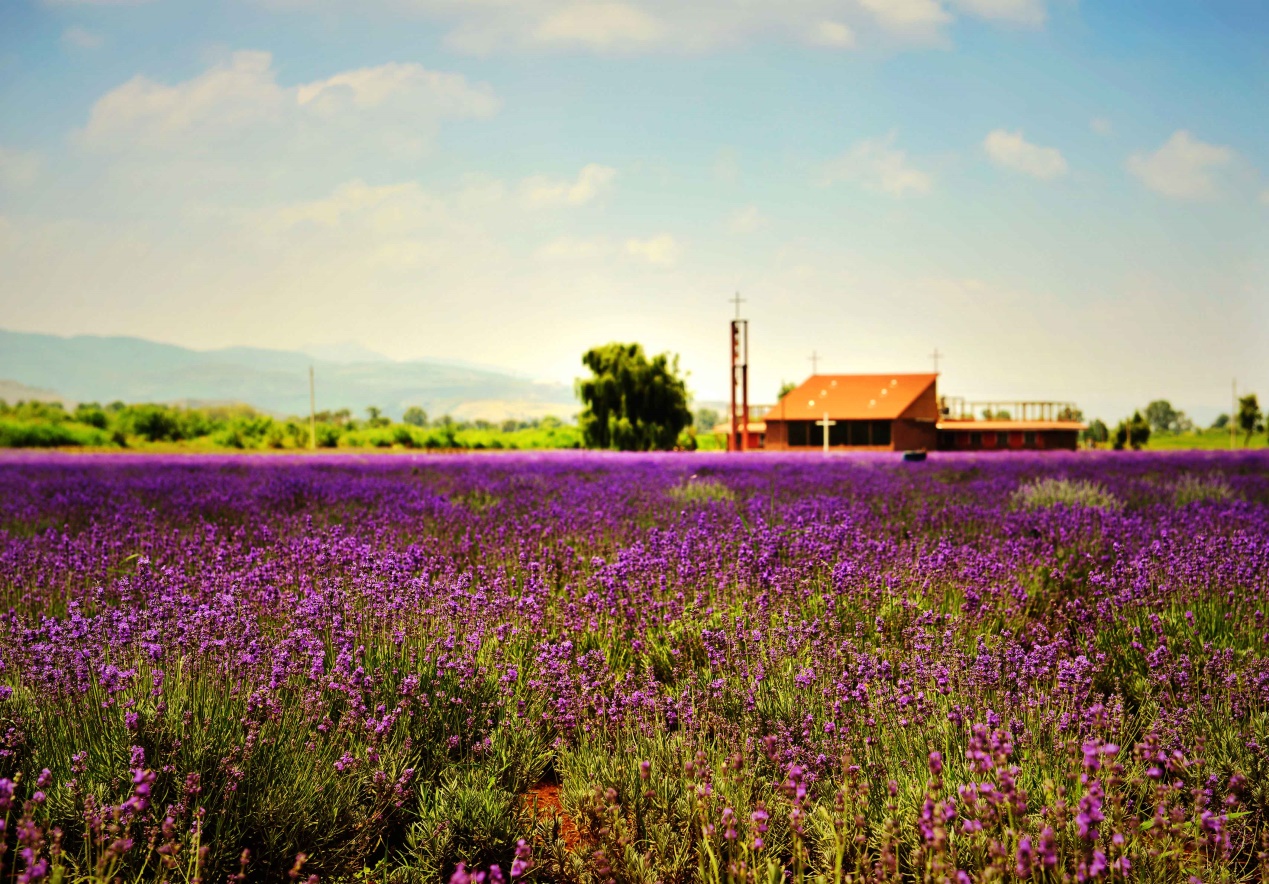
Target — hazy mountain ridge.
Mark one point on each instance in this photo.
(103, 369)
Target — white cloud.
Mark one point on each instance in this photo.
(387, 209)
(746, 220)
(1022, 12)
(875, 164)
(242, 94)
(79, 38)
(593, 180)
(574, 248)
(1011, 150)
(384, 229)
(908, 16)
(373, 87)
(224, 99)
(18, 168)
(833, 34)
(1101, 126)
(599, 26)
(661, 250)
(630, 26)
(1182, 168)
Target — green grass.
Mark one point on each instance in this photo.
(1213, 440)
(695, 491)
(1192, 488)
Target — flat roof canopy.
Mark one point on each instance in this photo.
(1009, 426)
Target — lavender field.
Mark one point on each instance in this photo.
(603, 669)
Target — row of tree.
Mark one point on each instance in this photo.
(51, 424)
(1159, 417)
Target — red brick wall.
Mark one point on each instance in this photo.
(908, 435)
(924, 407)
(777, 435)
(905, 435)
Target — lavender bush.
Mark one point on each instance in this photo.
(581, 668)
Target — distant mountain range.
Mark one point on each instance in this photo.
(88, 368)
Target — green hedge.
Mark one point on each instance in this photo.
(24, 434)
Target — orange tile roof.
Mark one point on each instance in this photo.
(858, 397)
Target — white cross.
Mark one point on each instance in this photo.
(826, 423)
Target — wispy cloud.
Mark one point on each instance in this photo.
(591, 181)
(241, 96)
(1011, 150)
(567, 249)
(637, 26)
(79, 38)
(911, 17)
(18, 168)
(746, 220)
(1021, 12)
(600, 26)
(661, 250)
(1182, 168)
(831, 34)
(877, 165)
(727, 166)
(97, 2)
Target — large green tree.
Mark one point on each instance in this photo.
(1133, 432)
(1097, 431)
(1249, 417)
(633, 403)
(1161, 416)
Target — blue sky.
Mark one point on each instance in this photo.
(1069, 199)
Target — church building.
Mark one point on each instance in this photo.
(903, 412)
(862, 412)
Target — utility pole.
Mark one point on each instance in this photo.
(739, 376)
(815, 363)
(935, 356)
(1233, 414)
(312, 411)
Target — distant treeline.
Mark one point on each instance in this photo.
(1169, 427)
(120, 425)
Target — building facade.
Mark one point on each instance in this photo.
(1009, 435)
(874, 412)
(902, 412)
